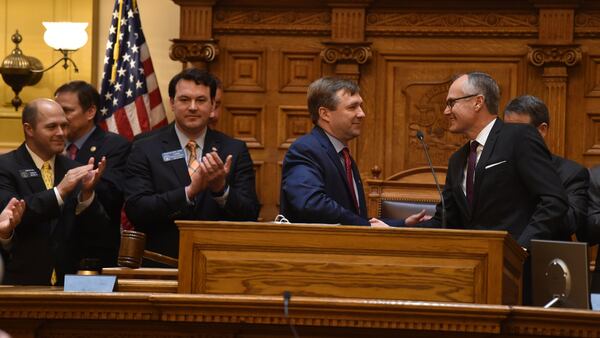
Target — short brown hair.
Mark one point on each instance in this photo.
(322, 93)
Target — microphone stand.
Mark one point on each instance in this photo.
(421, 137)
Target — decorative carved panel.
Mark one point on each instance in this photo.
(466, 22)
(587, 24)
(245, 71)
(294, 121)
(305, 21)
(592, 136)
(247, 124)
(592, 76)
(425, 104)
(298, 70)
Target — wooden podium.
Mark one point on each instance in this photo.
(349, 261)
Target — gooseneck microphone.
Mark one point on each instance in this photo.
(421, 138)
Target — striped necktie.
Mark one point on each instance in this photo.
(193, 164)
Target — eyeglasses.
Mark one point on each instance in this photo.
(451, 102)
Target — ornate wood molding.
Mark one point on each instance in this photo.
(473, 23)
(544, 55)
(194, 51)
(272, 22)
(334, 52)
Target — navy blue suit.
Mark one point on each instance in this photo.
(313, 185)
(155, 187)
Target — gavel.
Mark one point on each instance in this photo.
(131, 251)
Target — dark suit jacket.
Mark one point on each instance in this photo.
(313, 185)
(48, 236)
(591, 233)
(110, 188)
(516, 187)
(155, 188)
(575, 179)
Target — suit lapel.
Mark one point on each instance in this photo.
(36, 184)
(170, 142)
(488, 149)
(458, 177)
(337, 162)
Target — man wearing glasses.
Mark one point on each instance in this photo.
(503, 178)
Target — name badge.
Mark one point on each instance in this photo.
(27, 173)
(173, 155)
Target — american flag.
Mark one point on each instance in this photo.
(130, 101)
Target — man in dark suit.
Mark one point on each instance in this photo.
(187, 171)
(86, 139)
(591, 233)
(503, 178)
(574, 177)
(320, 181)
(63, 221)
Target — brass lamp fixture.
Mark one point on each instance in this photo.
(19, 70)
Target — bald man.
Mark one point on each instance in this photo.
(62, 222)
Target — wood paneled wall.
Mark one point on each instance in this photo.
(403, 54)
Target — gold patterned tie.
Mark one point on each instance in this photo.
(193, 164)
(47, 175)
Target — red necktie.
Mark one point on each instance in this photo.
(349, 180)
(471, 163)
(72, 151)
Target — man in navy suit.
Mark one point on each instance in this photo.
(503, 178)
(320, 181)
(63, 221)
(187, 171)
(574, 177)
(86, 139)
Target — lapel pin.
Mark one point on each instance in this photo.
(93, 149)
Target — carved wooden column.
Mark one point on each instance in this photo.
(347, 49)
(195, 46)
(555, 51)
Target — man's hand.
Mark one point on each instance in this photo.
(377, 223)
(72, 178)
(89, 181)
(416, 218)
(11, 217)
(216, 171)
(199, 182)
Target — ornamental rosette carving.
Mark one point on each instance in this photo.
(193, 51)
(359, 54)
(544, 55)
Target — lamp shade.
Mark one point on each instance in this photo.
(65, 35)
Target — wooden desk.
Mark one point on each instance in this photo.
(49, 312)
(349, 261)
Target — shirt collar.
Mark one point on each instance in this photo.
(38, 160)
(79, 142)
(485, 132)
(337, 144)
(183, 140)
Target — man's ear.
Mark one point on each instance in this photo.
(543, 129)
(479, 102)
(324, 114)
(91, 113)
(28, 129)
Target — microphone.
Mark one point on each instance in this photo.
(421, 138)
(287, 296)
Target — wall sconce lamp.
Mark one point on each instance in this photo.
(19, 70)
